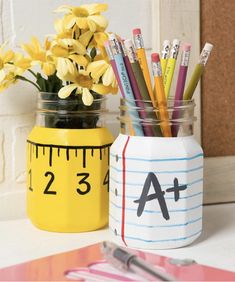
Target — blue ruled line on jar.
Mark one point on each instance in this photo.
(160, 160)
(151, 211)
(162, 240)
(166, 197)
(162, 185)
(158, 226)
(159, 172)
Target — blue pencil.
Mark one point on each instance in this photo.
(125, 83)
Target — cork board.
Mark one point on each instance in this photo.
(218, 82)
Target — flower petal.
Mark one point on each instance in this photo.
(85, 37)
(101, 89)
(99, 20)
(95, 8)
(108, 76)
(2, 75)
(58, 26)
(79, 59)
(97, 68)
(48, 68)
(100, 38)
(73, 44)
(66, 91)
(87, 97)
(69, 21)
(63, 9)
(59, 51)
(62, 67)
(91, 25)
(80, 11)
(8, 56)
(35, 44)
(82, 22)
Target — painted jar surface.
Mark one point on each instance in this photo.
(68, 168)
(156, 190)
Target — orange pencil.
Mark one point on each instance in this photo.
(160, 94)
(140, 51)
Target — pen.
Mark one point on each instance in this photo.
(125, 82)
(198, 71)
(180, 85)
(170, 67)
(165, 55)
(160, 94)
(139, 45)
(122, 259)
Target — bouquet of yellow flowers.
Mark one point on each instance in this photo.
(73, 62)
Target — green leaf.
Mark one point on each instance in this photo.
(41, 82)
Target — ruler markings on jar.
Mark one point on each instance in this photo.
(34, 149)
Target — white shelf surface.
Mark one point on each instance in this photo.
(20, 241)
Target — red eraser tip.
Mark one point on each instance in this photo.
(155, 57)
(136, 31)
(186, 47)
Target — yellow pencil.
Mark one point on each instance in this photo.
(165, 55)
(160, 94)
(170, 67)
(140, 51)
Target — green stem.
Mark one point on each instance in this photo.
(25, 79)
(32, 72)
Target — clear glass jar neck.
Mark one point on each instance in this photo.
(144, 118)
(70, 113)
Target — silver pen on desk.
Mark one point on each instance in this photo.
(122, 259)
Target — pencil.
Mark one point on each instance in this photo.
(125, 82)
(141, 55)
(198, 71)
(136, 91)
(141, 83)
(165, 55)
(160, 94)
(114, 67)
(180, 86)
(170, 67)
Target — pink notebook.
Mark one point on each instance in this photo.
(88, 264)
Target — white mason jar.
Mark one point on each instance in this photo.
(156, 182)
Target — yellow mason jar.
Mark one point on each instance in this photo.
(68, 165)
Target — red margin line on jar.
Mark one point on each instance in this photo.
(124, 188)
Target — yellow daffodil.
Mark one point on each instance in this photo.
(11, 75)
(102, 69)
(7, 81)
(67, 46)
(21, 62)
(5, 59)
(82, 84)
(40, 55)
(85, 16)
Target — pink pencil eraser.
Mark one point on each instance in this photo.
(186, 47)
(136, 31)
(155, 57)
